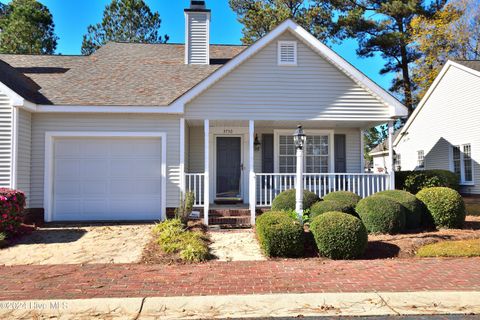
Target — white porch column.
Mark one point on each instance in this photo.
(362, 151)
(182, 156)
(390, 155)
(251, 185)
(206, 192)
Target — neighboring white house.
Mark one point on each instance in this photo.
(381, 158)
(444, 132)
(118, 135)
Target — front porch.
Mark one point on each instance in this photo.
(248, 163)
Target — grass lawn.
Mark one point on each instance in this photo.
(460, 248)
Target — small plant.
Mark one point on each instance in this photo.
(286, 200)
(12, 203)
(445, 206)
(381, 215)
(174, 238)
(347, 198)
(339, 235)
(413, 208)
(184, 211)
(305, 216)
(280, 235)
(322, 207)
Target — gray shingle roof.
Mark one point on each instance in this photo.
(118, 74)
(472, 64)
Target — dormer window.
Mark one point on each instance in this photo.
(287, 53)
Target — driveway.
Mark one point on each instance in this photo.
(77, 244)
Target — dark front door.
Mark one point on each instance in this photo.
(229, 167)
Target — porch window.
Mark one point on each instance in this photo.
(462, 163)
(398, 162)
(316, 154)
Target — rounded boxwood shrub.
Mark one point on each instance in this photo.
(445, 206)
(347, 198)
(381, 215)
(285, 201)
(322, 207)
(412, 206)
(280, 235)
(339, 235)
(414, 181)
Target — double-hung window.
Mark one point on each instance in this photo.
(315, 154)
(463, 163)
(420, 159)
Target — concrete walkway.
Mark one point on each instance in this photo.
(242, 277)
(249, 306)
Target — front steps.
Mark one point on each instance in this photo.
(230, 216)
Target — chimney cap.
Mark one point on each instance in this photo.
(197, 6)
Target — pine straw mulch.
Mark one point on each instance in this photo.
(153, 254)
(406, 245)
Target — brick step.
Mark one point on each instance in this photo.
(236, 221)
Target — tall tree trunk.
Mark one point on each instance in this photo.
(407, 83)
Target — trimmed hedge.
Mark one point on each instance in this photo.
(381, 214)
(348, 198)
(285, 201)
(280, 235)
(414, 210)
(339, 235)
(414, 181)
(322, 207)
(12, 204)
(445, 206)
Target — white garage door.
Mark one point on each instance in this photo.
(107, 179)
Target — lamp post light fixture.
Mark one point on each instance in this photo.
(299, 138)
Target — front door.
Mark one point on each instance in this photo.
(229, 167)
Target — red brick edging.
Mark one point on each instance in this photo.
(217, 278)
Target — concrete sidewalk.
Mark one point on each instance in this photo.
(249, 306)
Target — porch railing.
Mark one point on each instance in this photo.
(195, 182)
(269, 185)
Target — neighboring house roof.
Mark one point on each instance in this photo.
(471, 66)
(118, 74)
(382, 147)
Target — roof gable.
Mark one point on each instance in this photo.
(397, 109)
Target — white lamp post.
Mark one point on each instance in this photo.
(299, 137)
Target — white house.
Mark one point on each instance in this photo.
(443, 132)
(381, 157)
(118, 135)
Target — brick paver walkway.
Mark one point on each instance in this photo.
(220, 278)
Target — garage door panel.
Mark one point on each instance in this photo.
(107, 179)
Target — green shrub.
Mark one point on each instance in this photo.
(285, 201)
(348, 198)
(339, 235)
(381, 215)
(414, 181)
(174, 238)
(328, 206)
(413, 208)
(280, 235)
(12, 203)
(445, 206)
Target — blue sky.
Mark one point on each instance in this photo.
(72, 18)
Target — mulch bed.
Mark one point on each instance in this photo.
(153, 254)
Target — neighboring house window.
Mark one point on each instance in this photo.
(398, 162)
(287, 53)
(420, 159)
(463, 163)
(316, 154)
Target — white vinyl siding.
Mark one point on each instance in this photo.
(449, 117)
(198, 38)
(6, 141)
(260, 89)
(42, 123)
(24, 151)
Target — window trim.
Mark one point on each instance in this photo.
(295, 53)
(276, 146)
(463, 182)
